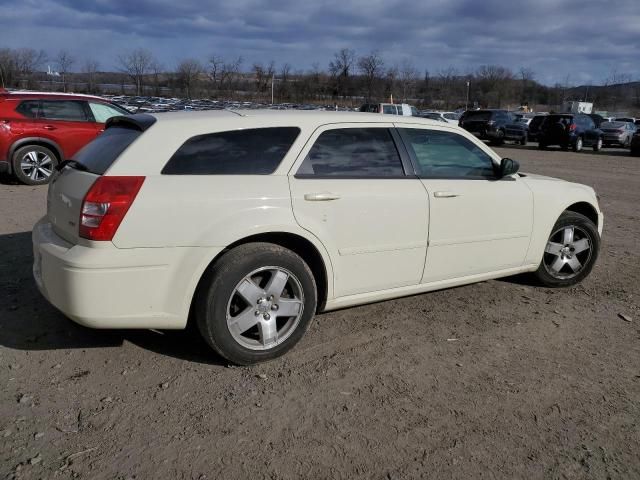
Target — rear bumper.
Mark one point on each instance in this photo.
(117, 288)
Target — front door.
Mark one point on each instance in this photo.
(478, 223)
(350, 190)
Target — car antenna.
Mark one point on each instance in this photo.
(236, 112)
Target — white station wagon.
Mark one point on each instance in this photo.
(249, 223)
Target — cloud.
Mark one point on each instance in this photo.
(582, 40)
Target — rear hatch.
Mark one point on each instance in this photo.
(70, 184)
(556, 128)
(476, 121)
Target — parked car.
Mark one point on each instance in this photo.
(487, 124)
(390, 109)
(253, 223)
(618, 133)
(625, 119)
(635, 144)
(39, 130)
(517, 131)
(432, 116)
(570, 130)
(533, 128)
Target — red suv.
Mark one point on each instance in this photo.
(40, 130)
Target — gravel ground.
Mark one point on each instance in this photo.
(495, 380)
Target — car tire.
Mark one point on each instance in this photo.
(598, 145)
(578, 144)
(239, 298)
(34, 164)
(627, 143)
(542, 146)
(523, 142)
(567, 260)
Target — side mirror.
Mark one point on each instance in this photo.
(508, 167)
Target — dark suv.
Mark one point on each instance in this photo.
(570, 130)
(487, 124)
(40, 130)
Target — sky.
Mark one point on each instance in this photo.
(561, 41)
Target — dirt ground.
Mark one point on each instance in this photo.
(495, 380)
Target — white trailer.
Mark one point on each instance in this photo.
(577, 107)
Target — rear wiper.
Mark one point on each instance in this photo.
(73, 164)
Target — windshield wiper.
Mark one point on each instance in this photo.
(73, 164)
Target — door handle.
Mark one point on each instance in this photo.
(49, 127)
(445, 194)
(321, 197)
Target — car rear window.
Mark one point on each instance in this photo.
(100, 154)
(479, 115)
(256, 151)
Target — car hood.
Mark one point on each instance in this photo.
(535, 176)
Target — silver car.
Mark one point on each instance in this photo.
(617, 133)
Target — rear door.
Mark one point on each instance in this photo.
(67, 123)
(350, 190)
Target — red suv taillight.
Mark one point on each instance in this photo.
(571, 127)
(105, 205)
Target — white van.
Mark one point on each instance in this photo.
(390, 109)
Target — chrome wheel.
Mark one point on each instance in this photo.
(265, 308)
(36, 165)
(568, 252)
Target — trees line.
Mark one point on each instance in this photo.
(349, 79)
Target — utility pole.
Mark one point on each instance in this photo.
(466, 105)
(272, 79)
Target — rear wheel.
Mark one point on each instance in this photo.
(523, 141)
(34, 164)
(571, 251)
(627, 143)
(256, 303)
(542, 146)
(577, 145)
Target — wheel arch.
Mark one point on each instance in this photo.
(586, 209)
(308, 250)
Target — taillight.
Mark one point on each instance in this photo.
(105, 205)
(571, 127)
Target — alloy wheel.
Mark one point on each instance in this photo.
(38, 166)
(568, 252)
(265, 308)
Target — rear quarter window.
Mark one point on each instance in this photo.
(256, 151)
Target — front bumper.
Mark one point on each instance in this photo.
(4, 167)
(108, 287)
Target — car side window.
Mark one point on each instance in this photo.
(255, 151)
(441, 154)
(103, 112)
(69, 110)
(29, 108)
(389, 109)
(353, 152)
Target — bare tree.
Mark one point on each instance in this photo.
(156, 70)
(408, 78)
(222, 73)
(371, 66)
(448, 82)
(90, 69)
(189, 72)
(340, 68)
(64, 61)
(285, 73)
(8, 67)
(526, 77)
(28, 60)
(136, 64)
(263, 76)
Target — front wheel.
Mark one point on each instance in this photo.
(571, 251)
(598, 145)
(256, 302)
